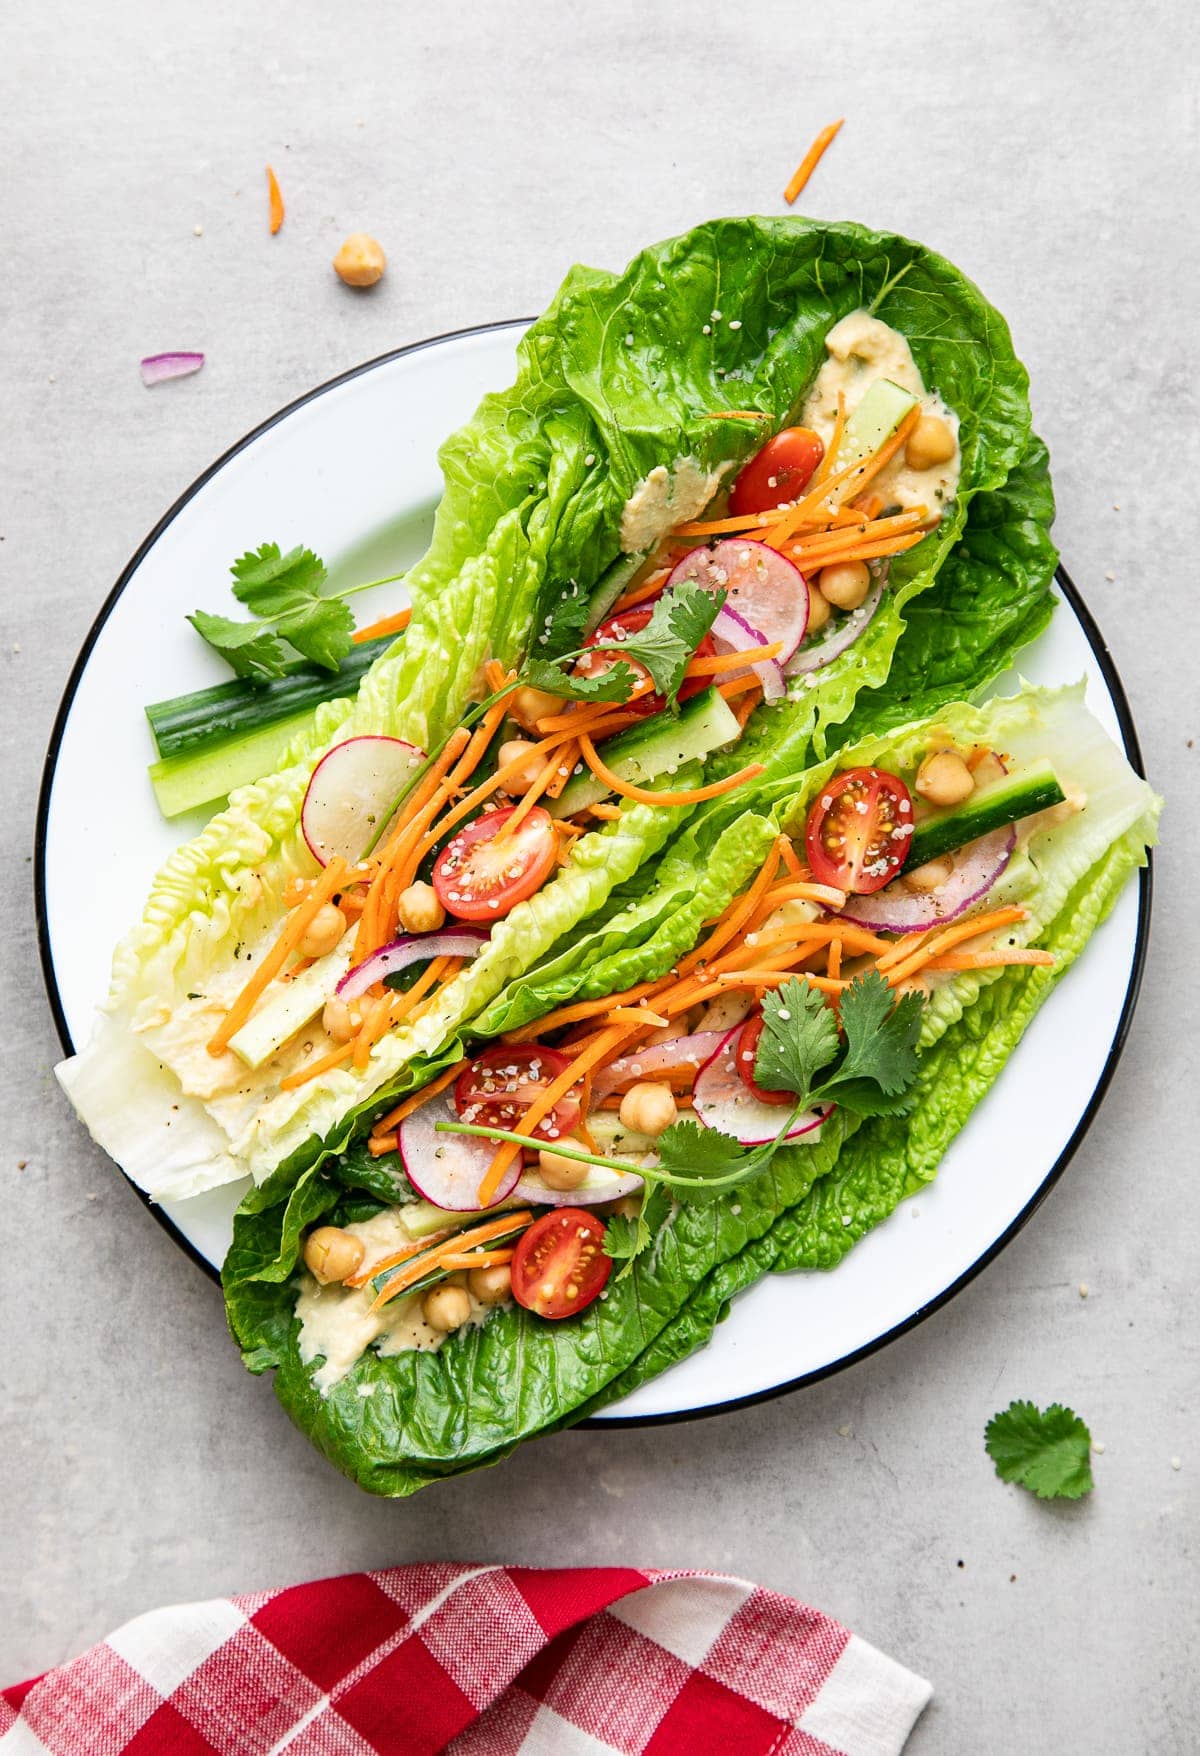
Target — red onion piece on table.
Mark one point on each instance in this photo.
(897, 910)
(157, 368)
(410, 948)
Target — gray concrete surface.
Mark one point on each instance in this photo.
(1050, 151)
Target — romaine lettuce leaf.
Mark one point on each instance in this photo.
(397, 1423)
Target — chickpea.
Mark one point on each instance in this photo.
(944, 778)
(340, 1020)
(331, 1254)
(360, 262)
(648, 1108)
(491, 1286)
(559, 1172)
(846, 585)
(818, 609)
(419, 908)
(528, 706)
(512, 751)
(324, 931)
(931, 876)
(931, 441)
(446, 1307)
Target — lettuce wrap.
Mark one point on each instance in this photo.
(395, 1422)
(627, 414)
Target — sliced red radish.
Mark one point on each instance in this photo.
(762, 586)
(651, 1063)
(447, 1169)
(724, 1101)
(598, 1185)
(410, 948)
(732, 633)
(352, 792)
(894, 909)
(840, 634)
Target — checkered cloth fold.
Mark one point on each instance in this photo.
(477, 1661)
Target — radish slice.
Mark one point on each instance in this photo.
(598, 1185)
(447, 1169)
(351, 788)
(409, 948)
(723, 1101)
(897, 910)
(840, 634)
(732, 633)
(761, 585)
(691, 1051)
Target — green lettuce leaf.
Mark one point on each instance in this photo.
(396, 1423)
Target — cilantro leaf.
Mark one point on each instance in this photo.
(1048, 1452)
(881, 1033)
(687, 1150)
(565, 626)
(321, 630)
(249, 648)
(799, 1038)
(272, 584)
(626, 1239)
(678, 623)
(616, 684)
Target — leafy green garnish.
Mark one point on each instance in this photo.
(626, 1238)
(1047, 1451)
(292, 614)
(678, 623)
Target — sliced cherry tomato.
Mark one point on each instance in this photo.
(859, 830)
(746, 1053)
(779, 472)
(559, 1264)
(480, 879)
(605, 652)
(498, 1087)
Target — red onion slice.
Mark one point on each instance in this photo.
(897, 910)
(723, 1100)
(598, 1185)
(761, 584)
(447, 1169)
(839, 636)
(732, 633)
(157, 368)
(691, 1051)
(409, 948)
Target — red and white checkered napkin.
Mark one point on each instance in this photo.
(480, 1661)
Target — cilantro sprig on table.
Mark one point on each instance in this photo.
(867, 1066)
(1047, 1451)
(292, 614)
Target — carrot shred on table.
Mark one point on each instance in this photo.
(294, 929)
(811, 160)
(385, 625)
(275, 200)
(644, 795)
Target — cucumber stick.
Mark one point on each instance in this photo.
(653, 750)
(1018, 795)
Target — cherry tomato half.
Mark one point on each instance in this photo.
(559, 1265)
(605, 652)
(859, 830)
(498, 1087)
(744, 1056)
(780, 471)
(478, 878)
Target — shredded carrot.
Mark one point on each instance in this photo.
(371, 927)
(583, 1009)
(647, 589)
(813, 933)
(738, 686)
(441, 969)
(825, 468)
(948, 937)
(294, 929)
(361, 1276)
(606, 813)
(871, 505)
(742, 713)
(833, 967)
(735, 916)
(495, 676)
(378, 1144)
(869, 531)
(791, 858)
(581, 716)
(770, 978)
(324, 1065)
(386, 625)
(804, 890)
(565, 828)
(402, 1111)
(644, 796)
(742, 524)
(419, 1266)
(606, 1042)
(548, 773)
(811, 160)
(1004, 954)
(635, 1015)
(567, 758)
(732, 661)
(373, 1027)
(865, 551)
(454, 1260)
(275, 199)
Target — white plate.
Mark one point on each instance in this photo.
(352, 471)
